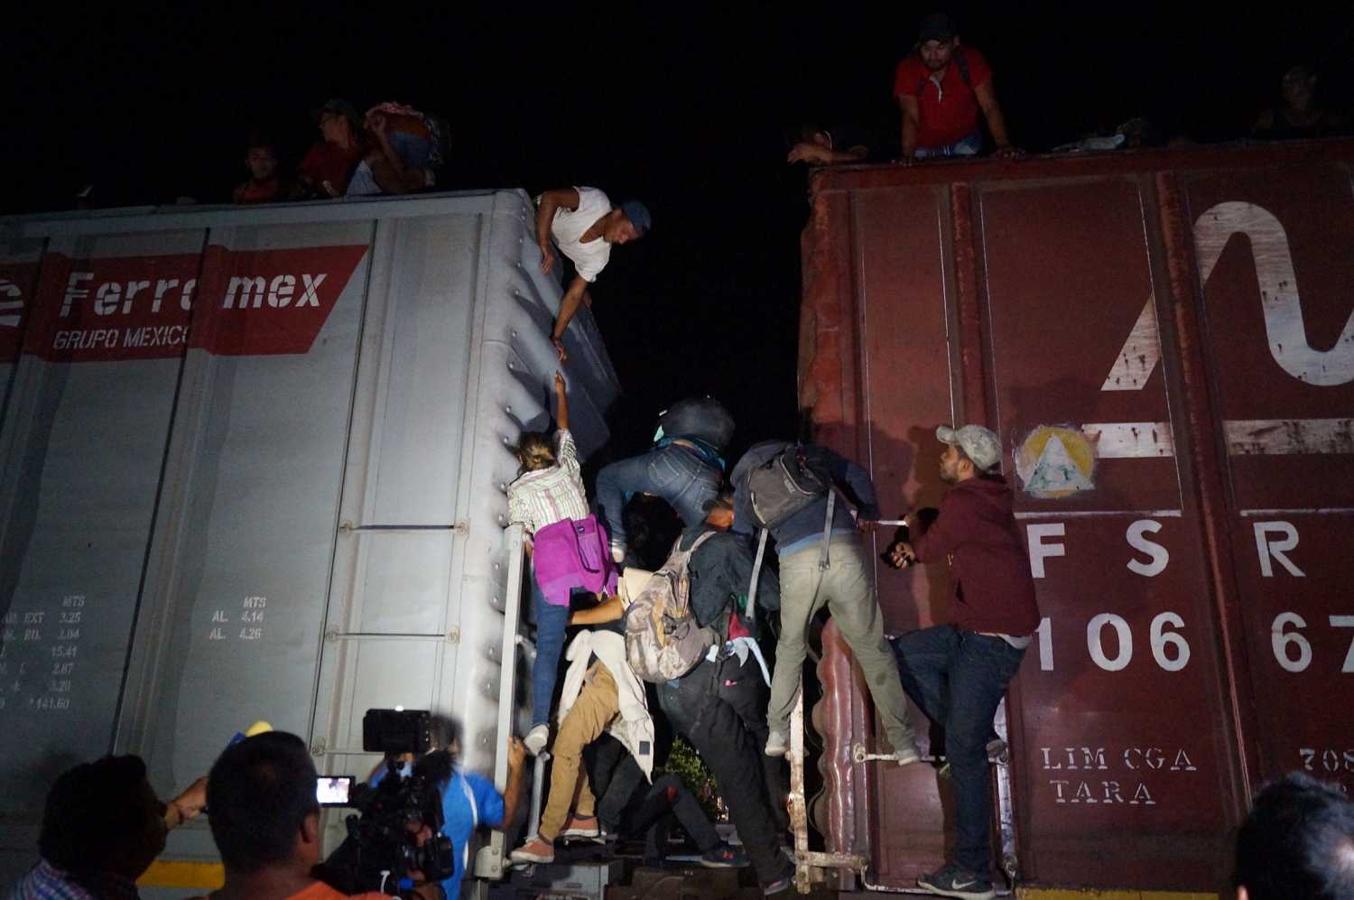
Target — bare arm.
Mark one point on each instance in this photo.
(996, 122)
(551, 202)
(568, 307)
(512, 793)
(609, 610)
(561, 403)
(187, 805)
(911, 122)
(814, 154)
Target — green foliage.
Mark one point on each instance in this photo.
(686, 764)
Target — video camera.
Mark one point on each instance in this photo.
(397, 830)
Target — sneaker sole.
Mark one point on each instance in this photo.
(988, 894)
(530, 860)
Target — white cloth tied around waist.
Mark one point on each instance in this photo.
(741, 647)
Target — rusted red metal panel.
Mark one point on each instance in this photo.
(1276, 262)
(1185, 484)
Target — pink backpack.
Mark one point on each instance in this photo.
(573, 554)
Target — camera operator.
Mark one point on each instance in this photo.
(101, 829)
(469, 799)
(266, 821)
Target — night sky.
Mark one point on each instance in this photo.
(682, 105)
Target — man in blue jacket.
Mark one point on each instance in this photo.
(817, 570)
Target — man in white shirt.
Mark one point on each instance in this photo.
(582, 222)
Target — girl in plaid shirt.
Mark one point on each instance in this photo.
(570, 548)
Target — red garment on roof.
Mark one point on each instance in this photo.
(270, 190)
(948, 111)
(331, 163)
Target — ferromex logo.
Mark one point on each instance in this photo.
(228, 302)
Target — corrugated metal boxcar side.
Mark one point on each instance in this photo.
(1165, 344)
(292, 510)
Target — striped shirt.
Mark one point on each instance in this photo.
(546, 496)
(46, 882)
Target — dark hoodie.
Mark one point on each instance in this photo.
(993, 590)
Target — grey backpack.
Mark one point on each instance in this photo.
(663, 641)
(777, 489)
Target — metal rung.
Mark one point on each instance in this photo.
(376, 636)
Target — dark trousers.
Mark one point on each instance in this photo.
(668, 801)
(958, 678)
(712, 725)
(744, 688)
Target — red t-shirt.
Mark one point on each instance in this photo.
(331, 163)
(949, 112)
(252, 191)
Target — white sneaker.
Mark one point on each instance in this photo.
(777, 743)
(906, 754)
(536, 739)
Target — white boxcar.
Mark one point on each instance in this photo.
(254, 463)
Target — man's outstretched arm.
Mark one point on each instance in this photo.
(996, 122)
(568, 307)
(911, 123)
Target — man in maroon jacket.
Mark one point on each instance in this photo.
(957, 673)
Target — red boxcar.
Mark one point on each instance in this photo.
(1164, 342)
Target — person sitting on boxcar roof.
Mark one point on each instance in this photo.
(1300, 113)
(265, 184)
(942, 88)
(817, 145)
(328, 166)
(101, 829)
(403, 152)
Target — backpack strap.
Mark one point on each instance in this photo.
(823, 557)
(700, 540)
(961, 60)
(756, 570)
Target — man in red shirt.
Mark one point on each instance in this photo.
(958, 673)
(328, 165)
(941, 88)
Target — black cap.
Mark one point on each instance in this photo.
(936, 27)
(338, 107)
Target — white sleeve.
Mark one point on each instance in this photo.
(566, 451)
(590, 262)
(592, 202)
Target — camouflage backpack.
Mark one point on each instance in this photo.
(662, 638)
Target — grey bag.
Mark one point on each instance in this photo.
(663, 641)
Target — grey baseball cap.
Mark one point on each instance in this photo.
(978, 443)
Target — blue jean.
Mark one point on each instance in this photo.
(551, 623)
(958, 678)
(969, 146)
(674, 473)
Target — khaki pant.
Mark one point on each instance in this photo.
(597, 706)
(844, 587)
